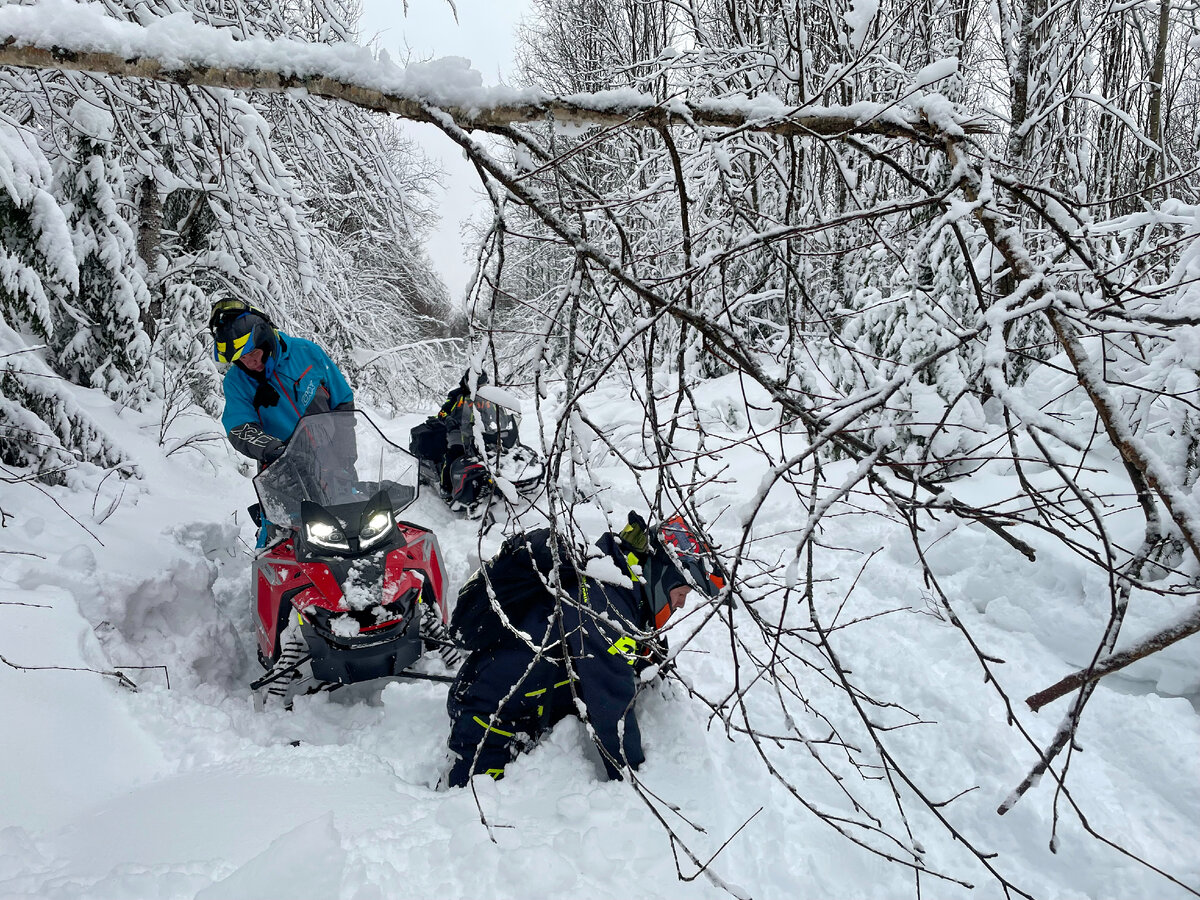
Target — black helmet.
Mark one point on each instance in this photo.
(670, 556)
(238, 328)
(465, 381)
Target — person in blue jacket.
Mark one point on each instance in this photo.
(273, 380)
(580, 651)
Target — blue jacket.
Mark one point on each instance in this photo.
(306, 380)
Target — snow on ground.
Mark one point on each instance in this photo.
(190, 792)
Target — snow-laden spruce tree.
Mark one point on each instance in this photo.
(110, 349)
(42, 428)
(314, 211)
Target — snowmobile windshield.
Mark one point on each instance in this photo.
(332, 459)
(490, 421)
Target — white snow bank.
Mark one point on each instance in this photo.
(54, 765)
(310, 854)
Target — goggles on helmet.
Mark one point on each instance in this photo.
(237, 329)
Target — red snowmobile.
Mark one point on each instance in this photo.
(345, 591)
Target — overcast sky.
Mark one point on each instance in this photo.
(483, 34)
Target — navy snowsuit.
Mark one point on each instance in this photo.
(504, 698)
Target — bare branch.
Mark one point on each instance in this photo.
(1152, 643)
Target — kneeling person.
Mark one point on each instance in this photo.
(513, 689)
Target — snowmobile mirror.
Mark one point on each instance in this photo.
(256, 514)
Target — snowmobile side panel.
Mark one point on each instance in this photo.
(277, 578)
(423, 553)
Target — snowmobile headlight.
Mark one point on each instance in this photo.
(377, 523)
(325, 535)
(376, 527)
(321, 529)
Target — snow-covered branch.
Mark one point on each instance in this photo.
(69, 36)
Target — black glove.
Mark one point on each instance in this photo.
(250, 440)
(265, 396)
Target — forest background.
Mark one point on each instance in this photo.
(896, 224)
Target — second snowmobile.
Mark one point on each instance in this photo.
(472, 447)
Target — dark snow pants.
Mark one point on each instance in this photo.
(501, 702)
(465, 479)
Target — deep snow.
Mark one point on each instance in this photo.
(190, 792)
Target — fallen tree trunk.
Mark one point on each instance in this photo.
(127, 50)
